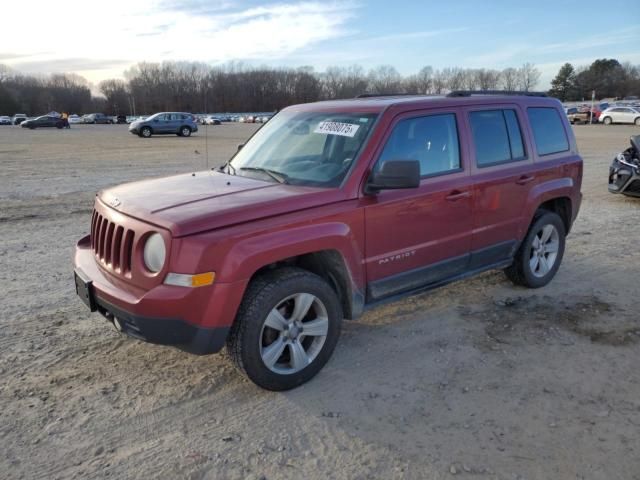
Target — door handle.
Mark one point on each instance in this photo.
(523, 180)
(457, 195)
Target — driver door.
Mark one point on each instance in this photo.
(160, 123)
(422, 236)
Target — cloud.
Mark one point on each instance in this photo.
(195, 30)
(61, 65)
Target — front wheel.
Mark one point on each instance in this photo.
(540, 254)
(637, 122)
(145, 132)
(286, 330)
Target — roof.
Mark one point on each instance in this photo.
(382, 102)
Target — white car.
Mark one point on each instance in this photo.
(75, 119)
(620, 115)
(211, 121)
(4, 120)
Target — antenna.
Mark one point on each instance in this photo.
(206, 133)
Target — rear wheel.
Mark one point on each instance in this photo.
(540, 254)
(287, 328)
(637, 122)
(607, 121)
(185, 132)
(145, 132)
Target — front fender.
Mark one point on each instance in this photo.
(250, 254)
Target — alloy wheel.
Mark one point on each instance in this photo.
(293, 333)
(544, 250)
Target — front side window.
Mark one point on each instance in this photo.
(496, 137)
(304, 148)
(432, 140)
(548, 130)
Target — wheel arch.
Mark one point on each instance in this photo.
(331, 267)
(561, 206)
(555, 196)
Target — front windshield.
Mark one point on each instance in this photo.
(304, 148)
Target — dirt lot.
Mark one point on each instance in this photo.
(476, 380)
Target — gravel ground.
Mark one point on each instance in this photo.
(479, 379)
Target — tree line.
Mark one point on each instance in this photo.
(198, 87)
(607, 77)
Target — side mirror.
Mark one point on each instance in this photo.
(395, 174)
(240, 145)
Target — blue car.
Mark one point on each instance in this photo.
(165, 123)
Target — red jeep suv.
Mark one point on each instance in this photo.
(329, 209)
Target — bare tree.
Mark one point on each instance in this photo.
(528, 77)
(509, 79)
(420, 83)
(384, 79)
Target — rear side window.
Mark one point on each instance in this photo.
(548, 130)
(432, 140)
(496, 137)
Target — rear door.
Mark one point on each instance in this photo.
(629, 115)
(502, 169)
(420, 236)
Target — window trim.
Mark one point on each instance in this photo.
(492, 108)
(533, 134)
(410, 115)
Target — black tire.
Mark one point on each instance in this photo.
(184, 132)
(607, 121)
(59, 126)
(246, 337)
(146, 132)
(520, 272)
(637, 122)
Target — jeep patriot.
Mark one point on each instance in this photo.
(329, 209)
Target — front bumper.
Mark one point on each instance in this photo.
(195, 320)
(624, 179)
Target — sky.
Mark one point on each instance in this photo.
(101, 39)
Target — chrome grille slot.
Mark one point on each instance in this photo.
(112, 244)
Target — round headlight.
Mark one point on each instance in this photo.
(154, 253)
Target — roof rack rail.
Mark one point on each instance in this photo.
(372, 95)
(468, 93)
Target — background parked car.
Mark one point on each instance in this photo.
(18, 118)
(212, 121)
(576, 116)
(43, 121)
(165, 123)
(97, 118)
(4, 120)
(119, 119)
(620, 115)
(75, 119)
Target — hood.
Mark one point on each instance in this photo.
(193, 203)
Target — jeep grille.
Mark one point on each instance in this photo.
(112, 244)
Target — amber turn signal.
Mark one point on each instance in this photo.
(186, 280)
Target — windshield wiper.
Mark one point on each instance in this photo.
(277, 176)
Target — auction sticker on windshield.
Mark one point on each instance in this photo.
(337, 128)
